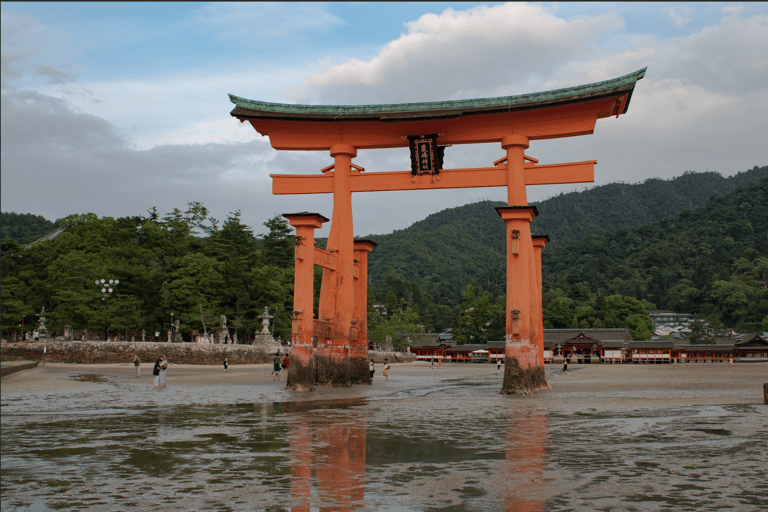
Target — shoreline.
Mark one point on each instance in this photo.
(585, 387)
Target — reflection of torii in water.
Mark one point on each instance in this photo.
(512, 121)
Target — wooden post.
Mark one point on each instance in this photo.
(301, 373)
(523, 372)
(337, 289)
(358, 349)
(539, 241)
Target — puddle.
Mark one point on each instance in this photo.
(89, 377)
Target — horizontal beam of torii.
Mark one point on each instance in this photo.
(550, 174)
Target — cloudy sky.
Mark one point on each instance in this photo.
(114, 108)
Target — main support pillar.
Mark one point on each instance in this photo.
(301, 372)
(358, 347)
(539, 241)
(337, 295)
(523, 372)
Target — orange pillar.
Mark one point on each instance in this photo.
(515, 145)
(301, 373)
(539, 241)
(523, 372)
(359, 345)
(337, 291)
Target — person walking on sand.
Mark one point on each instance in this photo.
(386, 369)
(226, 364)
(156, 371)
(285, 365)
(371, 369)
(565, 367)
(276, 366)
(163, 369)
(498, 365)
(137, 365)
(439, 363)
(432, 364)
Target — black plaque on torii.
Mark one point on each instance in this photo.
(426, 155)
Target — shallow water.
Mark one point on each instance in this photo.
(449, 445)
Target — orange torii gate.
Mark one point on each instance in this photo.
(340, 357)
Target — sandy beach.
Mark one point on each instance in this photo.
(598, 386)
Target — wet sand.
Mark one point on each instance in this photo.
(618, 387)
(604, 437)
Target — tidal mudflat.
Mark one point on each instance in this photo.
(93, 437)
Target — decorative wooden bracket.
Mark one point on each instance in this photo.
(331, 167)
(514, 243)
(515, 321)
(503, 160)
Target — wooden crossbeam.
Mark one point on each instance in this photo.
(329, 260)
(325, 259)
(549, 174)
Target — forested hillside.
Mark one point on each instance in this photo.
(24, 228)
(712, 262)
(164, 266)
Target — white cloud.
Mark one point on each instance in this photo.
(680, 14)
(498, 50)
(733, 10)
(32, 51)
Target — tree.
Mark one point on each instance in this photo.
(698, 331)
(279, 242)
(398, 328)
(481, 319)
(197, 280)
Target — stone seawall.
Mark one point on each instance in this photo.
(100, 352)
(7, 370)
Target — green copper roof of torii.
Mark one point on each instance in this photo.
(245, 108)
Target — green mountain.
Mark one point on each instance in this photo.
(712, 261)
(451, 249)
(24, 228)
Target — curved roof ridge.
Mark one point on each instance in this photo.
(580, 92)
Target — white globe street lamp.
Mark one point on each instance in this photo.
(107, 287)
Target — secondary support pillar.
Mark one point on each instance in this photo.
(301, 372)
(522, 371)
(359, 346)
(337, 290)
(539, 241)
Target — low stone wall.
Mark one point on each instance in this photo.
(100, 352)
(7, 370)
(394, 357)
